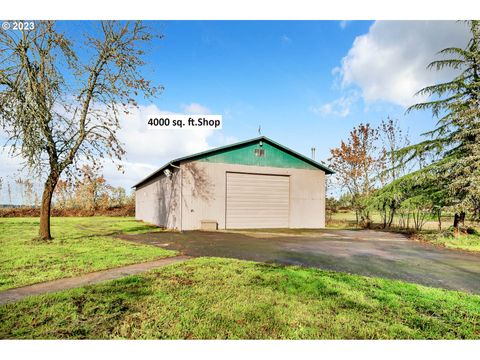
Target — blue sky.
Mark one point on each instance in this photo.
(274, 74)
(258, 73)
(307, 83)
(264, 73)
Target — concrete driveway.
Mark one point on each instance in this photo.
(363, 252)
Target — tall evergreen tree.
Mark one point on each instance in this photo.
(454, 145)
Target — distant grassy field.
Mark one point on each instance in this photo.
(428, 233)
(348, 219)
(211, 298)
(80, 245)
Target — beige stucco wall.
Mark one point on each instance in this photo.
(158, 201)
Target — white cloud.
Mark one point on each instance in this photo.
(133, 172)
(12, 168)
(9, 163)
(339, 107)
(146, 149)
(389, 62)
(195, 108)
(285, 39)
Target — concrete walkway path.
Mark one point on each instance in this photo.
(16, 294)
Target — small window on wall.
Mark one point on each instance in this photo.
(259, 152)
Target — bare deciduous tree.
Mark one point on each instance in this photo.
(393, 139)
(90, 188)
(60, 110)
(9, 193)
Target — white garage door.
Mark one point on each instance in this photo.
(257, 201)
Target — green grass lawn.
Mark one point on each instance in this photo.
(211, 298)
(80, 245)
(463, 241)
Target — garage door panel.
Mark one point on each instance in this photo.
(257, 201)
(247, 202)
(242, 208)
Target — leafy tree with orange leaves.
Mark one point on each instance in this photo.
(357, 166)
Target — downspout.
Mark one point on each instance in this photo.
(181, 194)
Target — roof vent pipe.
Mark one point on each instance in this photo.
(313, 153)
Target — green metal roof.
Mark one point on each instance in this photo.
(204, 154)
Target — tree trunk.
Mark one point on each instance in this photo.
(439, 217)
(384, 215)
(456, 224)
(392, 215)
(44, 231)
(462, 218)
